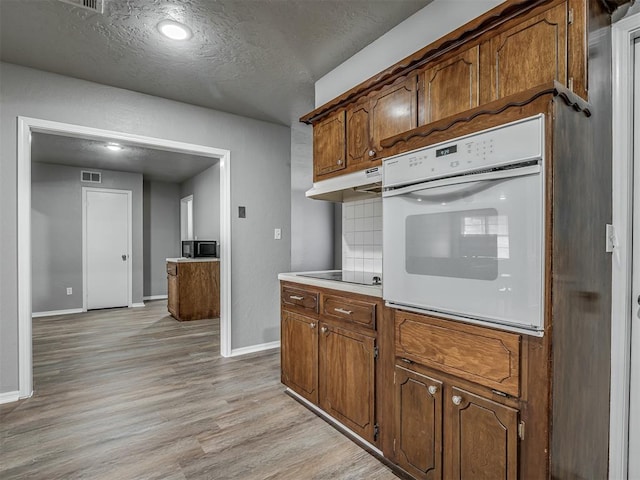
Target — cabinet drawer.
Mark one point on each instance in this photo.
(172, 268)
(299, 299)
(362, 313)
(481, 355)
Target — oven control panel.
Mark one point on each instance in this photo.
(509, 144)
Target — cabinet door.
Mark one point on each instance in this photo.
(346, 378)
(358, 135)
(329, 144)
(299, 355)
(173, 301)
(484, 438)
(451, 86)
(418, 424)
(530, 54)
(393, 111)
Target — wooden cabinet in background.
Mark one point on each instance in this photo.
(329, 145)
(193, 289)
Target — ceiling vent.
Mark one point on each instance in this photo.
(91, 177)
(96, 6)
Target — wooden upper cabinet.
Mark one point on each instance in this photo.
(449, 87)
(358, 134)
(418, 424)
(299, 354)
(329, 144)
(484, 438)
(529, 54)
(393, 110)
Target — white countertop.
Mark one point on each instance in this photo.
(371, 290)
(197, 259)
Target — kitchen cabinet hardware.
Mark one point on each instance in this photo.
(312, 325)
(342, 310)
(456, 399)
(296, 297)
(372, 153)
(324, 329)
(433, 389)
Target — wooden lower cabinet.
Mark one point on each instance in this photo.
(329, 356)
(193, 289)
(299, 355)
(443, 431)
(483, 436)
(346, 371)
(418, 424)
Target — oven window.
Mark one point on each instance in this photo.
(459, 244)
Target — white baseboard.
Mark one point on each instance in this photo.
(137, 305)
(155, 297)
(56, 312)
(9, 397)
(235, 352)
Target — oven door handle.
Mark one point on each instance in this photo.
(462, 179)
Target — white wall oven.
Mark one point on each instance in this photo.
(463, 228)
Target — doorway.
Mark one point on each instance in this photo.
(634, 383)
(27, 126)
(625, 319)
(106, 247)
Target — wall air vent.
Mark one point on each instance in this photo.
(90, 177)
(96, 6)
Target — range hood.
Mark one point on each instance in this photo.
(358, 185)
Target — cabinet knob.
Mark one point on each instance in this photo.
(372, 153)
(456, 399)
(324, 329)
(312, 325)
(339, 161)
(433, 389)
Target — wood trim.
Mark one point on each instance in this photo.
(472, 30)
(494, 108)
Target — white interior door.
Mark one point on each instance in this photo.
(107, 248)
(634, 403)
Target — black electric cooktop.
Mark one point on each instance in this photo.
(362, 278)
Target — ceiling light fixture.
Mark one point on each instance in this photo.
(115, 147)
(174, 30)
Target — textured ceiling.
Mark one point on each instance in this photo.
(256, 58)
(154, 164)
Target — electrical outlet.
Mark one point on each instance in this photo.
(277, 234)
(69, 291)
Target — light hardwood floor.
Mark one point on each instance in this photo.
(134, 394)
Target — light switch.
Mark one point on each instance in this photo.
(242, 212)
(277, 234)
(69, 291)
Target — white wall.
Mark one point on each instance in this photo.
(260, 179)
(419, 30)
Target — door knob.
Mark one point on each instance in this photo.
(312, 325)
(433, 389)
(124, 258)
(456, 399)
(324, 329)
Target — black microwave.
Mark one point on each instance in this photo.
(199, 248)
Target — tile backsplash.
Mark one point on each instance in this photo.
(362, 235)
